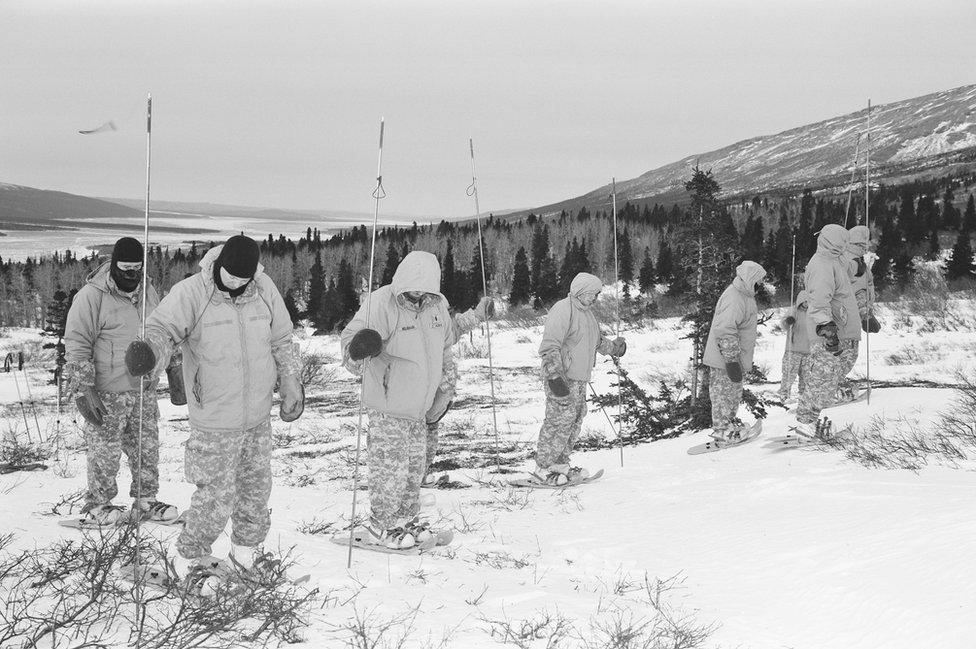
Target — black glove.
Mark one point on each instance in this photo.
(618, 347)
(870, 324)
(177, 390)
(366, 342)
(789, 321)
(861, 267)
(734, 370)
(139, 358)
(828, 331)
(558, 387)
(91, 407)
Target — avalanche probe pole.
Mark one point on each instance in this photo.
(473, 191)
(143, 380)
(379, 193)
(867, 221)
(850, 191)
(616, 288)
(789, 330)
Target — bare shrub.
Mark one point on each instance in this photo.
(315, 370)
(521, 317)
(466, 348)
(544, 629)
(369, 630)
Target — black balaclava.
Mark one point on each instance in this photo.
(239, 257)
(126, 249)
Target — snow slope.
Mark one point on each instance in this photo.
(798, 548)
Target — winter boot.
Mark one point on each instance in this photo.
(577, 474)
(150, 509)
(103, 515)
(720, 436)
(394, 538)
(420, 530)
(206, 575)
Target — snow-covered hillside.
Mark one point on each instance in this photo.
(933, 130)
(766, 549)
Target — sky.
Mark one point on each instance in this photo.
(278, 104)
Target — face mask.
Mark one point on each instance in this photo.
(127, 275)
(232, 282)
(587, 299)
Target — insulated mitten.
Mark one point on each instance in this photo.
(365, 342)
(618, 347)
(177, 390)
(828, 331)
(559, 387)
(789, 321)
(91, 407)
(734, 370)
(139, 358)
(870, 324)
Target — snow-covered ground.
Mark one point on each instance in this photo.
(798, 548)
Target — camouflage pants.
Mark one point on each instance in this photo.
(397, 451)
(795, 367)
(432, 430)
(561, 428)
(848, 357)
(821, 384)
(119, 434)
(232, 473)
(725, 396)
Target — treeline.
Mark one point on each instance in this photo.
(532, 260)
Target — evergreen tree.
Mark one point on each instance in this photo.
(540, 249)
(934, 248)
(960, 263)
(56, 316)
(912, 227)
(707, 254)
(392, 261)
(292, 307)
(806, 243)
(665, 263)
(546, 291)
(969, 218)
(451, 288)
(316, 291)
(327, 316)
(950, 215)
(476, 283)
(626, 258)
(347, 295)
(646, 277)
(521, 286)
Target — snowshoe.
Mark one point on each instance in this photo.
(147, 575)
(209, 576)
(154, 511)
(554, 480)
(97, 516)
(729, 440)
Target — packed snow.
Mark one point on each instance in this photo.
(800, 548)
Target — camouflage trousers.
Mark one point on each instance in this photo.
(795, 367)
(118, 434)
(432, 430)
(821, 383)
(561, 428)
(848, 357)
(725, 396)
(232, 473)
(397, 450)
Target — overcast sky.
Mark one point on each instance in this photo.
(278, 103)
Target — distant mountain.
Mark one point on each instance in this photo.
(929, 134)
(241, 211)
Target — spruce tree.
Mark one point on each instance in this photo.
(546, 290)
(316, 290)
(521, 289)
(392, 261)
(626, 259)
(960, 263)
(292, 308)
(451, 288)
(347, 296)
(646, 277)
(950, 215)
(54, 323)
(540, 248)
(665, 263)
(806, 243)
(969, 217)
